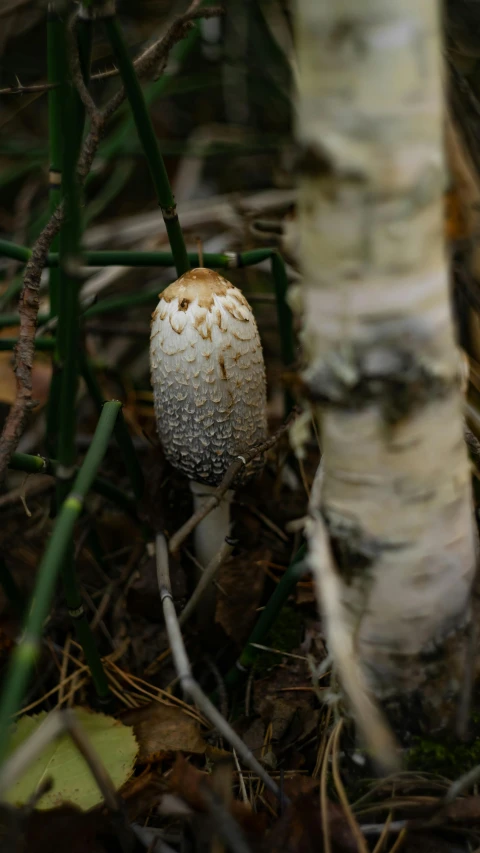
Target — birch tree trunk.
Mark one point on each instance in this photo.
(383, 367)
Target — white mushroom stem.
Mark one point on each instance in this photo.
(210, 534)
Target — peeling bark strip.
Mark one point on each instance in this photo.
(382, 361)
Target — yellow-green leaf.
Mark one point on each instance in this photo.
(114, 743)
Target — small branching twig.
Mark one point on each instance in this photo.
(152, 60)
(231, 474)
(25, 348)
(207, 578)
(188, 683)
(91, 108)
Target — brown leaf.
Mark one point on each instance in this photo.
(142, 793)
(299, 830)
(466, 810)
(163, 729)
(241, 582)
(284, 694)
(186, 781)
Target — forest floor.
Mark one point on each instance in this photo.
(186, 790)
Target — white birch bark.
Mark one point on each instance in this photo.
(383, 367)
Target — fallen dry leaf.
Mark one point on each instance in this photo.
(163, 729)
(186, 781)
(142, 793)
(284, 694)
(299, 830)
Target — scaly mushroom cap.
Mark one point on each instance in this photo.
(208, 375)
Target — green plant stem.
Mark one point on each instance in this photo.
(26, 653)
(120, 303)
(68, 337)
(56, 74)
(116, 142)
(14, 319)
(14, 251)
(118, 257)
(83, 631)
(42, 344)
(149, 143)
(122, 434)
(268, 617)
(41, 465)
(55, 34)
(12, 290)
(84, 35)
(32, 464)
(285, 319)
(58, 99)
(68, 328)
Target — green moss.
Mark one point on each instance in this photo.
(285, 635)
(445, 756)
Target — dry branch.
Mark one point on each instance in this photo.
(152, 60)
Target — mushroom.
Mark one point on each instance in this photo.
(209, 388)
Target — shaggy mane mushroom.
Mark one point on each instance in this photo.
(209, 386)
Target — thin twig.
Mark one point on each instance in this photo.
(387, 827)
(241, 780)
(342, 796)
(207, 577)
(323, 796)
(38, 486)
(188, 683)
(231, 474)
(25, 348)
(146, 62)
(399, 842)
(76, 72)
(468, 779)
(64, 668)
